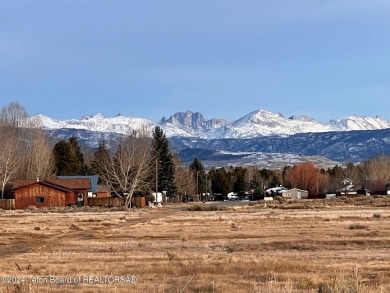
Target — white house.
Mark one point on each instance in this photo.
(295, 193)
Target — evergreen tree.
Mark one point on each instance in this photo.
(220, 182)
(165, 164)
(100, 160)
(79, 156)
(199, 175)
(240, 179)
(68, 158)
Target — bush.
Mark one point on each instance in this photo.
(197, 208)
(357, 226)
(171, 255)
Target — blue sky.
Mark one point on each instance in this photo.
(223, 58)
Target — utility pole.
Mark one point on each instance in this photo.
(206, 196)
(197, 180)
(155, 200)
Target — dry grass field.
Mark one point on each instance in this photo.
(342, 248)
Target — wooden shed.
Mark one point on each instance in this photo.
(50, 193)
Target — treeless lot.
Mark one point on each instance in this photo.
(245, 249)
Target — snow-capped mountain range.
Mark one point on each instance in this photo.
(259, 123)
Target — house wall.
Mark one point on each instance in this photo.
(26, 196)
(71, 198)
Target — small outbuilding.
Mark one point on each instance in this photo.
(295, 193)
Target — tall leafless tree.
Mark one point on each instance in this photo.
(184, 179)
(377, 172)
(24, 152)
(9, 158)
(130, 167)
(304, 176)
(38, 156)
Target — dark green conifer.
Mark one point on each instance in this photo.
(68, 158)
(164, 160)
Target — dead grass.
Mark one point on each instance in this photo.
(171, 250)
(341, 201)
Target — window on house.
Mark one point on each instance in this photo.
(39, 199)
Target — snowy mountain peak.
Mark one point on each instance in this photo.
(265, 123)
(355, 122)
(304, 118)
(188, 119)
(193, 124)
(257, 117)
(97, 122)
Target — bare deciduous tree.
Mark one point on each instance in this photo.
(9, 158)
(37, 154)
(183, 179)
(14, 115)
(304, 176)
(130, 166)
(24, 152)
(377, 172)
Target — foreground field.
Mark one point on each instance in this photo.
(246, 249)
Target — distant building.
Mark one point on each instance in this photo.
(295, 193)
(349, 187)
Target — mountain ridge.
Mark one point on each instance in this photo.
(259, 138)
(258, 123)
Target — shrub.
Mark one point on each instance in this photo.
(171, 255)
(198, 208)
(74, 227)
(357, 226)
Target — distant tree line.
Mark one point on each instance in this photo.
(142, 163)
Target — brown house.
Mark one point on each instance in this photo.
(51, 192)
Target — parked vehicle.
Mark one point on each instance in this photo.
(275, 191)
(232, 196)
